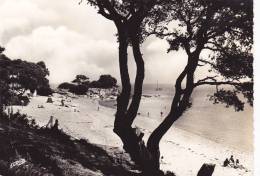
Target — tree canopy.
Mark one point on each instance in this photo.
(81, 84)
(18, 76)
(221, 33)
(213, 33)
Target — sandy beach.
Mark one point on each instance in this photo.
(183, 151)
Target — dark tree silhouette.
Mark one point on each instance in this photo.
(222, 27)
(81, 79)
(105, 82)
(128, 16)
(219, 26)
(23, 75)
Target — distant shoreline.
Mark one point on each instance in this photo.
(219, 124)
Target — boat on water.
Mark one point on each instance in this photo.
(157, 87)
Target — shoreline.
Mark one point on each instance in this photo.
(97, 126)
(247, 147)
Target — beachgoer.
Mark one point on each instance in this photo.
(231, 159)
(98, 108)
(237, 162)
(161, 113)
(56, 124)
(62, 102)
(161, 160)
(50, 123)
(148, 114)
(226, 162)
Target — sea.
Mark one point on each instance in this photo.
(212, 121)
(215, 122)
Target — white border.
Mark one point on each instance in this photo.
(256, 88)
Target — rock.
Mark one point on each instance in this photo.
(206, 170)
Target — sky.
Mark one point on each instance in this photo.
(73, 39)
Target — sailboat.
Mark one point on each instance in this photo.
(157, 87)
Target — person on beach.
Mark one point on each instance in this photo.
(62, 102)
(148, 114)
(226, 162)
(50, 123)
(237, 165)
(161, 113)
(231, 159)
(237, 162)
(56, 125)
(98, 108)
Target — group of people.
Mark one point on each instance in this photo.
(231, 162)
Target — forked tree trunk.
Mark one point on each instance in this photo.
(132, 140)
(138, 86)
(179, 104)
(123, 98)
(147, 156)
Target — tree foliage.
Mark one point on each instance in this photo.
(81, 84)
(81, 79)
(17, 76)
(105, 82)
(222, 28)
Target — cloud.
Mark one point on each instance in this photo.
(23, 16)
(19, 17)
(65, 52)
(73, 39)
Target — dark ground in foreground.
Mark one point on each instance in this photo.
(31, 151)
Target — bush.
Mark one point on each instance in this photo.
(66, 85)
(105, 82)
(44, 91)
(79, 89)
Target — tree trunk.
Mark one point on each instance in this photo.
(131, 138)
(138, 86)
(179, 104)
(123, 98)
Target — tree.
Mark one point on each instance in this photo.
(4, 94)
(78, 89)
(105, 82)
(222, 28)
(128, 16)
(81, 79)
(203, 21)
(22, 75)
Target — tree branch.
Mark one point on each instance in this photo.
(217, 83)
(208, 78)
(207, 62)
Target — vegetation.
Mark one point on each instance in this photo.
(128, 17)
(104, 82)
(81, 84)
(50, 152)
(17, 76)
(224, 28)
